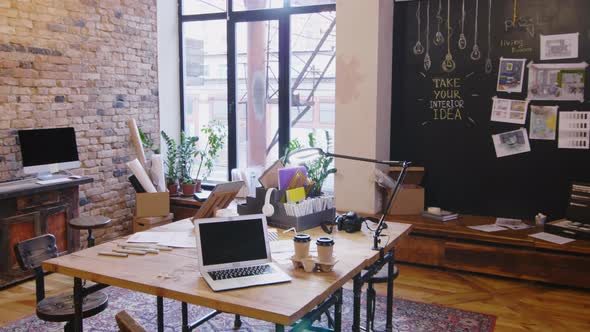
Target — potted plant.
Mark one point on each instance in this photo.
(170, 164)
(216, 134)
(319, 169)
(186, 152)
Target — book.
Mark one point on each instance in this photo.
(443, 216)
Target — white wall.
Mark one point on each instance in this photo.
(363, 99)
(168, 76)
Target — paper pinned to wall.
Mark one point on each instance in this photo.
(543, 124)
(511, 142)
(508, 110)
(141, 176)
(574, 130)
(557, 81)
(563, 46)
(511, 75)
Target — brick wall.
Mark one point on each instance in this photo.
(89, 64)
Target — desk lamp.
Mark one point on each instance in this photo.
(303, 156)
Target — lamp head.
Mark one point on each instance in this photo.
(302, 156)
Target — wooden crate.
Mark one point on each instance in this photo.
(145, 223)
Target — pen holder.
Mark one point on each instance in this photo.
(280, 219)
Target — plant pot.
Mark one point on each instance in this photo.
(188, 189)
(198, 188)
(173, 189)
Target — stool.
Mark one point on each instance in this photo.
(89, 223)
(379, 277)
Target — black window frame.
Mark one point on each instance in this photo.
(283, 17)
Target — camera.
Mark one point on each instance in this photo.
(349, 222)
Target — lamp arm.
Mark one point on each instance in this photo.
(398, 184)
(374, 161)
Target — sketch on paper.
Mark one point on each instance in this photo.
(543, 122)
(574, 130)
(564, 46)
(511, 142)
(508, 110)
(510, 75)
(564, 81)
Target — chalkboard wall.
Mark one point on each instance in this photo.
(453, 140)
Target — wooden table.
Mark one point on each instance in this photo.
(175, 275)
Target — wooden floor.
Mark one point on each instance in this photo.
(519, 306)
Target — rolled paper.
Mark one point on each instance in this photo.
(136, 141)
(157, 172)
(141, 176)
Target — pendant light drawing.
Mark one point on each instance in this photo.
(489, 65)
(418, 48)
(475, 52)
(439, 39)
(427, 61)
(462, 39)
(448, 65)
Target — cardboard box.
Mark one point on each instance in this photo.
(152, 204)
(144, 223)
(410, 198)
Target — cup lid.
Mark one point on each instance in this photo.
(325, 241)
(302, 238)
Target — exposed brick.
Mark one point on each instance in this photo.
(90, 64)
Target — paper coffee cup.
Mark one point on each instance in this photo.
(301, 243)
(325, 249)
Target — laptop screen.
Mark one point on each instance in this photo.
(232, 241)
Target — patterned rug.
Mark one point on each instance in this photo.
(408, 316)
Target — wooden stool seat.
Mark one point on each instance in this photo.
(91, 222)
(61, 308)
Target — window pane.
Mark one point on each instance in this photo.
(257, 93)
(310, 2)
(193, 7)
(313, 74)
(205, 86)
(256, 4)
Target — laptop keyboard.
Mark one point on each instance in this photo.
(240, 272)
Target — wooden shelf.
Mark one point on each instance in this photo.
(507, 253)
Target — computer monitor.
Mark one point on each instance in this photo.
(47, 151)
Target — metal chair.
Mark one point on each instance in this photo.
(30, 254)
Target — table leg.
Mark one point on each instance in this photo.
(160, 305)
(237, 322)
(279, 328)
(338, 311)
(78, 297)
(90, 238)
(185, 317)
(389, 318)
(356, 309)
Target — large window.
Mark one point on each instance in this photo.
(265, 69)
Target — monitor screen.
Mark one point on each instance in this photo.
(48, 146)
(232, 241)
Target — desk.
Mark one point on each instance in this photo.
(28, 209)
(282, 304)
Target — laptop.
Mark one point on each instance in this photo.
(233, 252)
